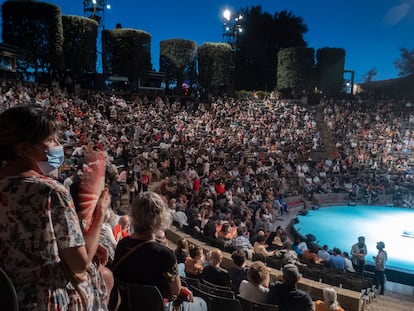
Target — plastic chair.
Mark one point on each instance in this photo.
(248, 305)
(215, 286)
(217, 303)
(218, 292)
(140, 297)
(192, 282)
(8, 298)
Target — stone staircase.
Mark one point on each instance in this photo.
(326, 137)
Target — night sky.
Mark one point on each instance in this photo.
(370, 31)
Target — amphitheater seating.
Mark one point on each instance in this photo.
(226, 293)
(217, 303)
(141, 297)
(248, 305)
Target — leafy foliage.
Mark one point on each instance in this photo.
(295, 70)
(35, 28)
(369, 75)
(263, 37)
(178, 60)
(406, 63)
(214, 65)
(330, 70)
(79, 45)
(126, 52)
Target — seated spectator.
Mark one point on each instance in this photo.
(260, 247)
(310, 254)
(337, 261)
(242, 242)
(121, 230)
(194, 262)
(323, 254)
(181, 251)
(160, 237)
(106, 237)
(225, 232)
(348, 263)
(256, 287)
(209, 229)
(330, 302)
(297, 246)
(213, 273)
(287, 254)
(239, 272)
(286, 295)
(140, 259)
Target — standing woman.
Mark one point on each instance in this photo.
(42, 246)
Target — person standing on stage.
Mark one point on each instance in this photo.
(358, 252)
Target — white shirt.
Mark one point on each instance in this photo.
(252, 292)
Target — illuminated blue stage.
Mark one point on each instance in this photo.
(340, 226)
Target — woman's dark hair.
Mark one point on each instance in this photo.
(30, 124)
(260, 238)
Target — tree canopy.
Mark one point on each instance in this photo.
(178, 60)
(263, 37)
(36, 29)
(405, 64)
(214, 66)
(126, 52)
(79, 50)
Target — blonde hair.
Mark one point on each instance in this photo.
(149, 213)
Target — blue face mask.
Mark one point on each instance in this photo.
(55, 157)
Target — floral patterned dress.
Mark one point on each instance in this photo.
(37, 219)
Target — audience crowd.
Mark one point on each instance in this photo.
(224, 168)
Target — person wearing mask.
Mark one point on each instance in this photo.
(380, 261)
(42, 247)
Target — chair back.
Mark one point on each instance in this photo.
(217, 303)
(8, 298)
(136, 297)
(190, 282)
(226, 293)
(248, 305)
(215, 286)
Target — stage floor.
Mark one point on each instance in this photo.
(340, 226)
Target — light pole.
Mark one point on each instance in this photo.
(232, 28)
(95, 9)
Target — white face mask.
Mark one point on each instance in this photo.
(55, 157)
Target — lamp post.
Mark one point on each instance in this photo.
(232, 28)
(95, 9)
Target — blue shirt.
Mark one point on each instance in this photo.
(338, 262)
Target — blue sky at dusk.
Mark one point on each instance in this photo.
(370, 31)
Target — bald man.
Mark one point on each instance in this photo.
(213, 273)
